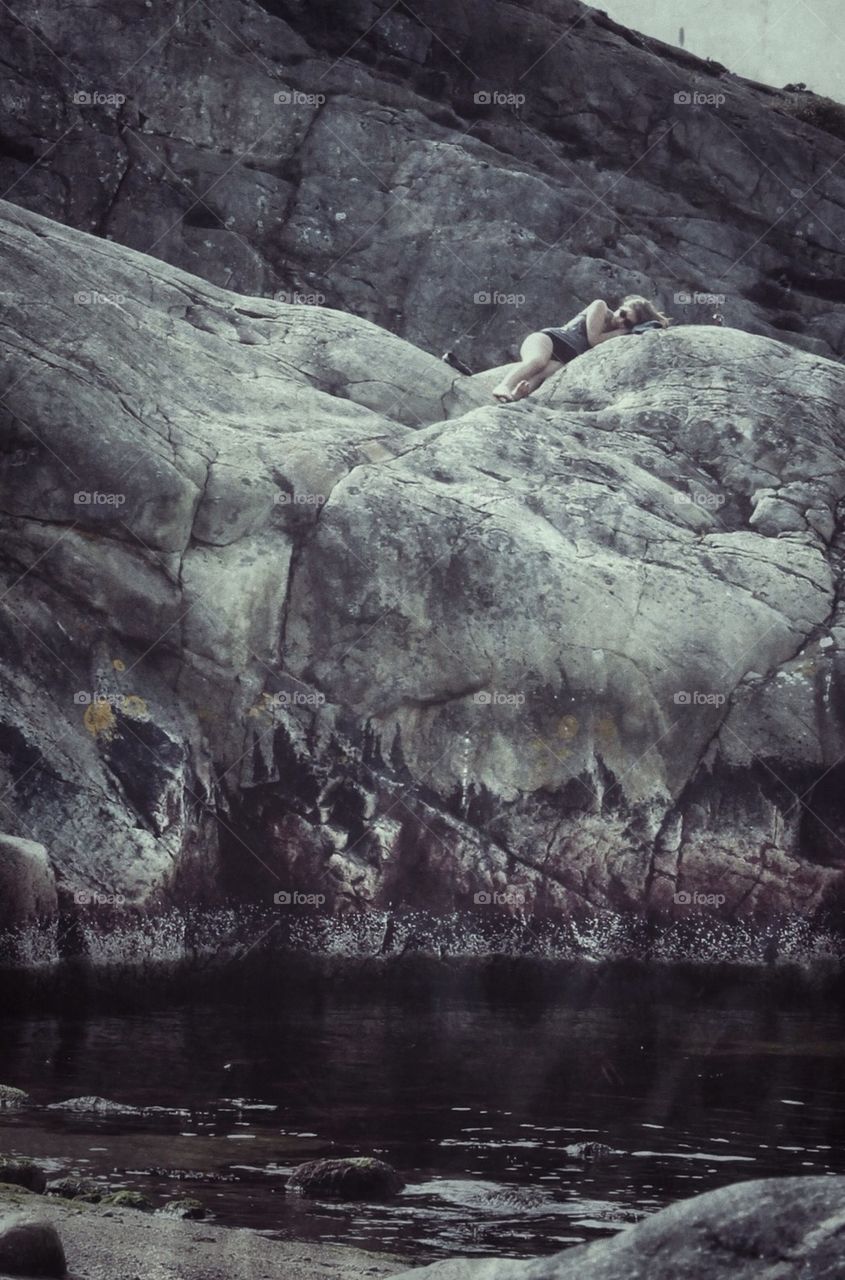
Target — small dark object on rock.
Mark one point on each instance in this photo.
(456, 363)
(30, 1248)
(358, 1178)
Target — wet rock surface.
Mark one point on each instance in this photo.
(353, 1178)
(779, 1227)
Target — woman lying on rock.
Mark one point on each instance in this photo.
(548, 350)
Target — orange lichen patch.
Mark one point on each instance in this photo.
(118, 664)
(606, 731)
(264, 706)
(567, 727)
(135, 707)
(99, 720)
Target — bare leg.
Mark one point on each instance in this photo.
(535, 355)
(537, 380)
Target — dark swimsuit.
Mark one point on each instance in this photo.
(570, 340)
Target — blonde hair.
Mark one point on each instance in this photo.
(645, 310)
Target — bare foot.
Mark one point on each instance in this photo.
(503, 394)
(522, 389)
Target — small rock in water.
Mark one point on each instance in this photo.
(30, 1248)
(185, 1208)
(22, 1173)
(357, 1178)
(101, 1106)
(589, 1150)
(12, 1097)
(128, 1200)
(71, 1188)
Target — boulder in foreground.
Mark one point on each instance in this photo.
(30, 1248)
(768, 1229)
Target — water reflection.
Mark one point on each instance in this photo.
(479, 1090)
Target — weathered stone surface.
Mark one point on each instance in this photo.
(460, 173)
(27, 884)
(353, 1178)
(533, 659)
(768, 1229)
(30, 1247)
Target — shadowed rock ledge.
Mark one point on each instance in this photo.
(290, 607)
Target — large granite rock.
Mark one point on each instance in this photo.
(771, 1229)
(293, 609)
(460, 173)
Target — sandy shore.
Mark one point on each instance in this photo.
(124, 1244)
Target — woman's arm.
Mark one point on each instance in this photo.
(598, 315)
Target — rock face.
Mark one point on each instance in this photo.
(775, 1227)
(532, 154)
(314, 620)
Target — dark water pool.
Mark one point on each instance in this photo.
(475, 1094)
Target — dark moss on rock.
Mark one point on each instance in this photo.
(356, 1178)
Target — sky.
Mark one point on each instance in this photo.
(776, 41)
